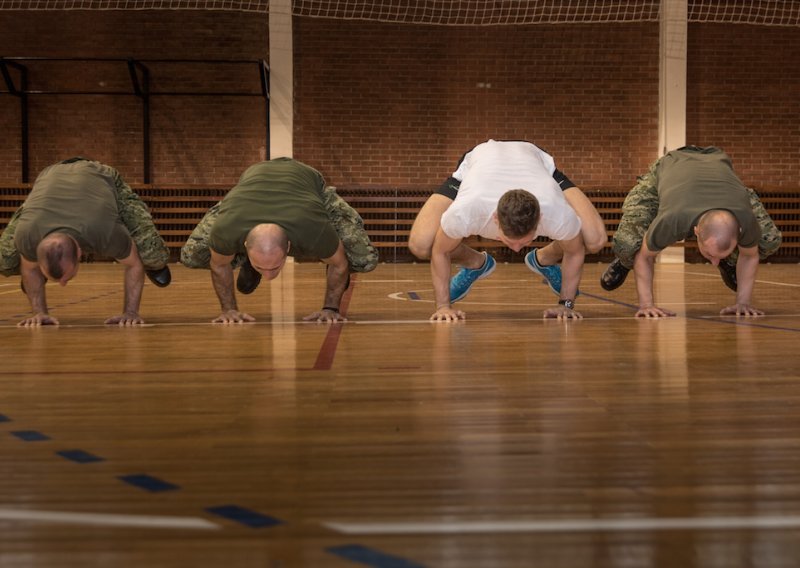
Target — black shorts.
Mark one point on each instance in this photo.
(450, 186)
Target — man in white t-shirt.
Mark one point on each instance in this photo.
(511, 192)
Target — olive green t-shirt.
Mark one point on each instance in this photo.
(284, 192)
(691, 181)
(77, 199)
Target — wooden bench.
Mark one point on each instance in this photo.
(389, 213)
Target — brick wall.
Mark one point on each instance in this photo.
(394, 105)
(194, 139)
(744, 96)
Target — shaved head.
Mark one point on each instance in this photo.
(58, 254)
(267, 247)
(717, 234)
(265, 238)
(719, 226)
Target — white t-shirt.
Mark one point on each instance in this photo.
(491, 169)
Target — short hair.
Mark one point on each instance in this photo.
(720, 226)
(518, 213)
(266, 237)
(54, 250)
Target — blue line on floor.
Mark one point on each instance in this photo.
(371, 557)
(79, 456)
(247, 517)
(148, 483)
(30, 435)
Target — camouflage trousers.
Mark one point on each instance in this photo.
(133, 213)
(349, 226)
(9, 256)
(641, 207)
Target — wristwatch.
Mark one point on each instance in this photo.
(569, 304)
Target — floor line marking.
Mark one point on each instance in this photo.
(327, 351)
(757, 281)
(565, 525)
(737, 320)
(745, 321)
(409, 298)
(107, 519)
(365, 281)
(157, 371)
(587, 319)
(371, 557)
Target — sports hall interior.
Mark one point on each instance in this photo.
(389, 440)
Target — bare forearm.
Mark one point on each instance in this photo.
(572, 268)
(134, 282)
(336, 284)
(746, 270)
(34, 283)
(440, 273)
(643, 268)
(222, 279)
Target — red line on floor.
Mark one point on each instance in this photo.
(327, 351)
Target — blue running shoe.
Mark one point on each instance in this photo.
(461, 283)
(551, 274)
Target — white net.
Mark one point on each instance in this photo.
(232, 5)
(761, 12)
(464, 12)
(481, 12)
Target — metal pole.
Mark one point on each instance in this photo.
(141, 88)
(264, 76)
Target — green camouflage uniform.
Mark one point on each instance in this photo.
(133, 213)
(638, 211)
(196, 252)
(641, 207)
(9, 256)
(361, 255)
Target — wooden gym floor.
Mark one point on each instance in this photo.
(390, 441)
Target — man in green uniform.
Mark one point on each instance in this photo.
(280, 207)
(81, 206)
(693, 192)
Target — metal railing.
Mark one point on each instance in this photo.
(15, 75)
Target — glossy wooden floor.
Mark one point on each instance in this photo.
(391, 441)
